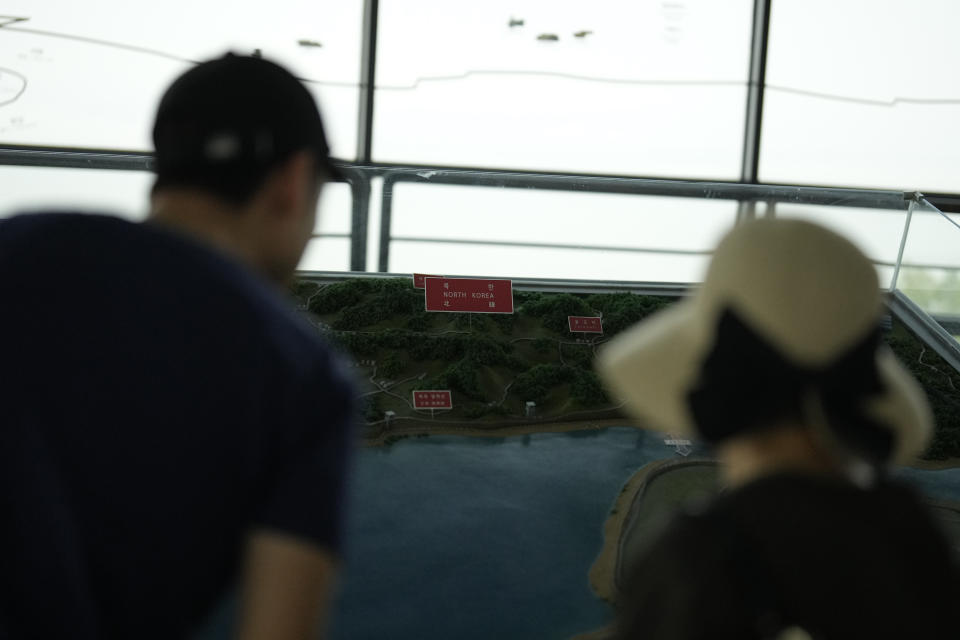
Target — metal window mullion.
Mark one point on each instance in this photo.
(757, 78)
(368, 72)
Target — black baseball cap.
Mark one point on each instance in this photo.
(235, 118)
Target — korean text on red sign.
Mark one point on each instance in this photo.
(469, 295)
(432, 399)
(418, 280)
(584, 324)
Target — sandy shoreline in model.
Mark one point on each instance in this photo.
(424, 428)
(602, 572)
(493, 432)
(934, 465)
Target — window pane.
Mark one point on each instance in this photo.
(92, 77)
(123, 193)
(650, 88)
(863, 93)
(525, 233)
(329, 250)
(126, 194)
(335, 209)
(877, 232)
(930, 275)
(326, 254)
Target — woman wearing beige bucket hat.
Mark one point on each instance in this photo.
(777, 361)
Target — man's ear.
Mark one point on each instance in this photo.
(290, 183)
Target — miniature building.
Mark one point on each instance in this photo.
(531, 409)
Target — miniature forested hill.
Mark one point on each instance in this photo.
(495, 364)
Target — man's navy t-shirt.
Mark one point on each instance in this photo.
(157, 402)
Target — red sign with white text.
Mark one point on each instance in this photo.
(583, 324)
(432, 400)
(469, 295)
(418, 280)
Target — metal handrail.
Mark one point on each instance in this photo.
(867, 198)
(614, 248)
(64, 157)
(360, 175)
(553, 285)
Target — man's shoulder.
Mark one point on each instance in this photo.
(86, 237)
(35, 224)
(164, 278)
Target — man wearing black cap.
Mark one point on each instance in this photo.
(221, 130)
(169, 429)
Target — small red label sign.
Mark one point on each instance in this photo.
(469, 295)
(418, 280)
(432, 400)
(583, 324)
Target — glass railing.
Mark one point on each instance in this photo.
(930, 269)
(507, 224)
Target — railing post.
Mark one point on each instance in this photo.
(360, 188)
(386, 210)
(746, 211)
(771, 210)
(915, 197)
(368, 72)
(756, 84)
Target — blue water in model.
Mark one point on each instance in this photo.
(482, 538)
(459, 537)
(491, 538)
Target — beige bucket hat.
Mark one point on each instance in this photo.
(787, 314)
